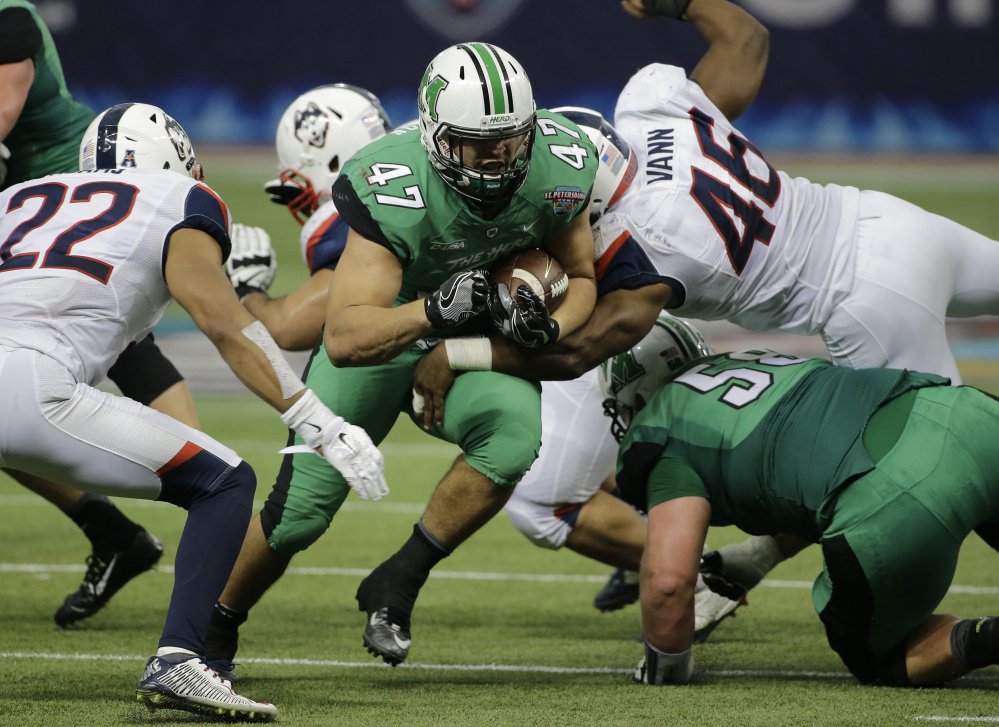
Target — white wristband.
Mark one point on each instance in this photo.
(288, 379)
(469, 354)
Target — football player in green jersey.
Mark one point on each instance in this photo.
(888, 470)
(429, 210)
(41, 125)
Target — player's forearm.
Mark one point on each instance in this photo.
(667, 615)
(580, 298)
(293, 320)
(272, 381)
(619, 320)
(364, 335)
(733, 67)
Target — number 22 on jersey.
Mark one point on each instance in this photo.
(57, 254)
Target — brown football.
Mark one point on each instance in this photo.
(536, 269)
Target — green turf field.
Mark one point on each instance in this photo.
(504, 633)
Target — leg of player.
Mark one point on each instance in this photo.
(496, 420)
(461, 503)
(121, 548)
(257, 568)
(71, 432)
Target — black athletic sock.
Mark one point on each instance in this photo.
(105, 526)
(397, 582)
(222, 637)
(975, 642)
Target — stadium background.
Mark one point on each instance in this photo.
(897, 95)
(844, 75)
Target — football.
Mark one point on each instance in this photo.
(536, 269)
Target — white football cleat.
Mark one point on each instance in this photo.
(183, 681)
(711, 608)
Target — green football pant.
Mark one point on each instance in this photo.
(892, 545)
(494, 418)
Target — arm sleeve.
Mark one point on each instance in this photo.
(623, 265)
(204, 210)
(671, 478)
(20, 37)
(324, 245)
(356, 214)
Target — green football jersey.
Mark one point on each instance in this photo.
(432, 229)
(46, 137)
(768, 439)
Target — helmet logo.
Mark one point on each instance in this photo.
(311, 125)
(623, 370)
(177, 136)
(431, 93)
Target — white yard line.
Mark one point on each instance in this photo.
(508, 668)
(46, 568)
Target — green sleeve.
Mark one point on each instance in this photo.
(672, 478)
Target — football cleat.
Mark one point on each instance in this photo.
(387, 596)
(620, 590)
(184, 681)
(105, 576)
(711, 607)
(387, 636)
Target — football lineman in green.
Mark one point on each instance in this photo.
(429, 210)
(888, 470)
(40, 122)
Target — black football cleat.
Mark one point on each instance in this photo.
(620, 590)
(106, 574)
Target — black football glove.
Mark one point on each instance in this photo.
(462, 296)
(281, 193)
(525, 320)
(713, 573)
(670, 8)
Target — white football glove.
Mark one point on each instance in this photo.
(252, 263)
(352, 452)
(659, 667)
(348, 448)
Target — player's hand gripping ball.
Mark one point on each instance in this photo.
(526, 288)
(536, 269)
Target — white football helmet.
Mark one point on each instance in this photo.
(617, 163)
(477, 119)
(317, 133)
(629, 379)
(138, 135)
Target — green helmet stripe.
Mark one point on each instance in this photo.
(506, 79)
(488, 67)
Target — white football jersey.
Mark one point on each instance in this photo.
(82, 256)
(735, 238)
(323, 238)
